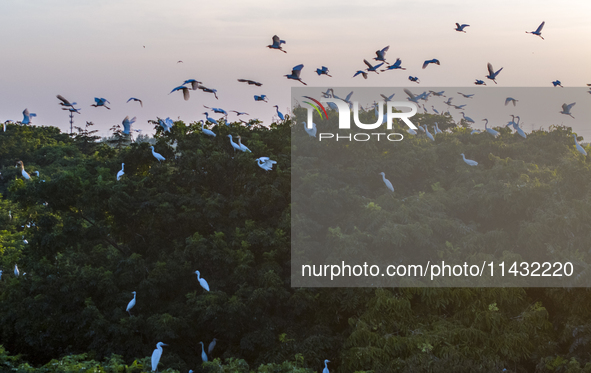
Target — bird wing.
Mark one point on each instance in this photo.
(426, 63)
(540, 27)
(571, 105)
(276, 40)
(368, 64)
(491, 71)
(409, 93)
(349, 96)
(66, 102)
(26, 112)
(458, 26)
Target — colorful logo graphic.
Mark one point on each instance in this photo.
(317, 107)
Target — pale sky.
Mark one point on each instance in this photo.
(86, 49)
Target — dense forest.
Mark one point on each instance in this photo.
(83, 241)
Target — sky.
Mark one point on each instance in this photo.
(130, 48)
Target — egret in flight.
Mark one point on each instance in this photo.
(27, 116)
(381, 54)
(239, 113)
(209, 90)
(388, 185)
(101, 102)
(260, 98)
(217, 110)
(387, 98)
(265, 163)
(434, 60)
(157, 155)
(557, 83)
(479, 82)
(461, 27)
(127, 124)
(467, 96)
(538, 31)
(203, 354)
(469, 161)
(371, 68)
(277, 43)
(362, 73)
(492, 75)
(510, 100)
(156, 355)
(121, 173)
(250, 82)
(131, 304)
(413, 79)
(202, 281)
(580, 149)
(194, 83)
(395, 65)
(295, 73)
(323, 71)
(185, 91)
(566, 109)
(65, 102)
(136, 99)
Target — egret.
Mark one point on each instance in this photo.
(387, 182)
(202, 281)
(206, 131)
(156, 155)
(184, 89)
(156, 355)
(395, 65)
(239, 113)
(16, 271)
(131, 304)
(194, 83)
(242, 146)
(323, 71)
(101, 102)
(217, 110)
(371, 68)
(165, 124)
(427, 62)
(467, 119)
(23, 172)
(387, 98)
(203, 354)
(310, 131)
(479, 82)
(492, 75)
(469, 161)
(512, 100)
(437, 130)
(277, 43)
(136, 99)
(127, 124)
(363, 73)
(234, 145)
(413, 79)
(250, 82)
(579, 149)
(461, 27)
(428, 133)
(411, 131)
(511, 122)
(327, 94)
(209, 90)
(566, 109)
(557, 83)
(411, 96)
(279, 113)
(440, 94)
(260, 98)
(520, 131)
(295, 73)
(490, 130)
(120, 173)
(467, 96)
(0, 274)
(381, 54)
(265, 163)
(210, 119)
(211, 346)
(434, 110)
(65, 102)
(538, 30)
(325, 370)
(27, 116)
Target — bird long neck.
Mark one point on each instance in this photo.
(384, 177)
(202, 348)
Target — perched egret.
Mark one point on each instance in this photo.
(580, 149)
(120, 173)
(234, 145)
(101, 102)
(381, 54)
(277, 43)
(538, 31)
(323, 71)
(427, 62)
(467, 119)
(512, 100)
(428, 133)
(362, 73)
(492, 75)
(17, 273)
(0, 274)
(211, 346)
(469, 161)
(395, 65)
(265, 163)
(490, 130)
(295, 73)
(260, 98)
(557, 83)
(157, 155)
(206, 131)
(566, 109)
(279, 113)
(23, 172)
(184, 89)
(136, 99)
(250, 82)
(371, 68)
(520, 131)
(437, 130)
(194, 83)
(202, 281)
(131, 304)
(242, 146)
(411, 131)
(27, 116)
(413, 79)
(203, 354)
(127, 124)
(461, 27)
(387, 182)
(210, 119)
(310, 131)
(156, 355)
(479, 82)
(325, 370)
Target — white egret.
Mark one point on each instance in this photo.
(520, 131)
(490, 130)
(280, 114)
(411, 96)
(209, 90)
(120, 173)
(234, 145)
(202, 281)
(242, 146)
(250, 82)
(465, 95)
(371, 68)
(437, 130)
(434, 110)
(467, 119)
(0, 274)
(440, 94)
(310, 131)
(131, 304)
(277, 43)
(566, 109)
(265, 163)
(381, 54)
(194, 83)
(205, 130)
(157, 155)
(65, 102)
(127, 124)
(136, 99)
(479, 82)
(295, 73)
(239, 113)
(156, 355)
(27, 116)
(411, 131)
(101, 102)
(512, 100)
(461, 27)
(362, 73)
(217, 110)
(16, 271)
(414, 79)
(23, 172)
(387, 98)
(538, 31)
(211, 345)
(323, 71)
(203, 354)
(185, 91)
(325, 370)
(427, 62)
(469, 161)
(428, 133)
(395, 65)
(210, 119)
(492, 75)
(580, 149)
(387, 182)
(260, 98)
(557, 83)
